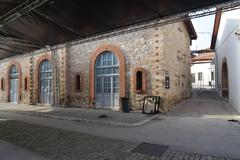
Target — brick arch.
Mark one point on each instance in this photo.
(122, 67)
(144, 80)
(225, 80)
(16, 63)
(36, 76)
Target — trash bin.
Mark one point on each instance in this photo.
(125, 104)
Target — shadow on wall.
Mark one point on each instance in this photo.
(225, 88)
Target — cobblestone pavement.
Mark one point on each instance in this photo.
(175, 155)
(58, 144)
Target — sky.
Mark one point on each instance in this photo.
(204, 28)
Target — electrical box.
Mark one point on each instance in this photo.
(167, 82)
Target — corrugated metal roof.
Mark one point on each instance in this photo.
(60, 21)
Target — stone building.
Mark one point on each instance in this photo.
(97, 71)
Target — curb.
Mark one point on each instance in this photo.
(112, 123)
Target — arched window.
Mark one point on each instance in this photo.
(139, 81)
(78, 83)
(225, 84)
(45, 82)
(14, 85)
(95, 74)
(13, 72)
(107, 80)
(25, 84)
(2, 84)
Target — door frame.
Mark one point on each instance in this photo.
(16, 90)
(122, 72)
(37, 88)
(42, 99)
(112, 90)
(16, 63)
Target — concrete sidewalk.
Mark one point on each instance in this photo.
(187, 134)
(195, 133)
(9, 151)
(106, 117)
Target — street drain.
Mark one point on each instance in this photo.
(150, 149)
(233, 120)
(103, 116)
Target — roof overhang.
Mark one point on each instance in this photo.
(28, 25)
(191, 30)
(216, 28)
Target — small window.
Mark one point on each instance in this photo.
(139, 81)
(212, 76)
(193, 77)
(26, 84)
(78, 83)
(200, 76)
(2, 84)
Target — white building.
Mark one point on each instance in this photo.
(226, 42)
(203, 71)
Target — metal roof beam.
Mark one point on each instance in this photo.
(20, 10)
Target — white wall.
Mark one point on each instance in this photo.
(228, 45)
(206, 69)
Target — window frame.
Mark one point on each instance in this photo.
(200, 76)
(2, 84)
(26, 84)
(80, 83)
(143, 83)
(139, 81)
(212, 76)
(193, 77)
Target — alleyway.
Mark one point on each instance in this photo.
(204, 103)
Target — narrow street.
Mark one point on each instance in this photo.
(204, 103)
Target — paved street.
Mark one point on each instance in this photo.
(204, 103)
(203, 129)
(10, 151)
(57, 144)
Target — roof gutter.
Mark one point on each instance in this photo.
(216, 28)
(191, 29)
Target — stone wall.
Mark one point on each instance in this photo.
(160, 51)
(28, 65)
(177, 63)
(24, 68)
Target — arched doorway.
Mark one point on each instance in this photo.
(225, 85)
(107, 81)
(92, 75)
(45, 82)
(13, 84)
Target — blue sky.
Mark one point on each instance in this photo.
(204, 28)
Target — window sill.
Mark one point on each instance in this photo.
(139, 91)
